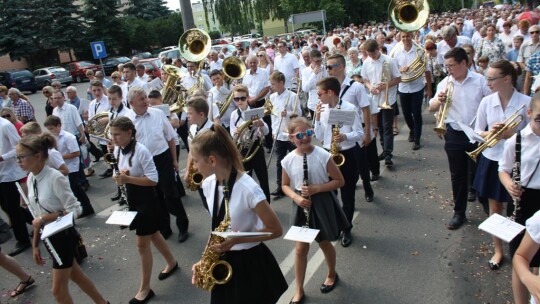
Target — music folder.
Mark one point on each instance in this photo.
(61, 224)
(501, 227)
(301, 234)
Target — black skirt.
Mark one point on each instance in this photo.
(528, 207)
(142, 200)
(326, 215)
(65, 244)
(487, 183)
(256, 278)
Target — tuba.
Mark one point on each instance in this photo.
(417, 68)
(443, 111)
(492, 138)
(173, 94)
(408, 15)
(248, 146)
(211, 270)
(98, 126)
(338, 158)
(234, 69)
(194, 45)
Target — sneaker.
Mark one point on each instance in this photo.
(388, 162)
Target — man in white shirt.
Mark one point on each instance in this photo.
(141, 72)
(450, 40)
(69, 115)
(195, 78)
(215, 61)
(99, 105)
(131, 81)
(310, 75)
(287, 64)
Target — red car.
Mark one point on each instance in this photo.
(152, 65)
(77, 69)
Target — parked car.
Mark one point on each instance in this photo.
(143, 55)
(152, 66)
(171, 53)
(111, 64)
(218, 47)
(77, 69)
(20, 79)
(45, 76)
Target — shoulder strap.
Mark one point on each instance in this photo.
(346, 88)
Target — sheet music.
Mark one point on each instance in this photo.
(232, 235)
(473, 136)
(122, 218)
(501, 227)
(301, 234)
(342, 117)
(164, 108)
(253, 113)
(61, 224)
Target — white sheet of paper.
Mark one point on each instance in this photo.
(61, 224)
(301, 234)
(501, 227)
(164, 108)
(252, 114)
(342, 117)
(473, 136)
(122, 218)
(233, 235)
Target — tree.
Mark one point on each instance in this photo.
(147, 9)
(235, 16)
(18, 36)
(102, 23)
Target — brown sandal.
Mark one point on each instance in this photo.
(24, 285)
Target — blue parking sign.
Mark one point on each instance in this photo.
(98, 49)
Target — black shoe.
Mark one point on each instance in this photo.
(19, 247)
(382, 156)
(85, 186)
(388, 162)
(150, 295)
(107, 173)
(471, 196)
(346, 240)
(369, 197)
(411, 137)
(495, 266)
(278, 192)
(416, 146)
(167, 234)
(122, 202)
(301, 301)
(328, 288)
(182, 237)
(456, 221)
(374, 177)
(117, 196)
(87, 212)
(163, 275)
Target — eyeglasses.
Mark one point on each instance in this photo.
(242, 98)
(329, 67)
(300, 135)
(321, 93)
(450, 66)
(6, 116)
(21, 157)
(534, 32)
(491, 79)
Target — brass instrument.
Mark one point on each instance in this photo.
(98, 126)
(234, 69)
(408, 15)
(385, 78)
(248, 146)
(338, 158)
(492, 138)
(112, 161)
(210, 269)
(195, 178)
(417, 68)
(173, 94)
(443, 110)
(194, 45)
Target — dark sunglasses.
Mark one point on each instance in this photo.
(6, 116)
(243, 98)
(115, 77)
(301, 135)
(331, 66)
(534, 32)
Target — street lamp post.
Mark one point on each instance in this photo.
(187, 14)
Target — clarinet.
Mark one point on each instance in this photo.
(307, 210)
(112, 161)
(516, 176)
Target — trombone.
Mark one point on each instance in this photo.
(384, 79)
(492, 138)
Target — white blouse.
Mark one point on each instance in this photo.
(530, 156)
(317, 161)
(281, 102)
(142, 163)
(66, 143)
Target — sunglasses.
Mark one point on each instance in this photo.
(329, 67)
(260, 55)
(243, 98)
(115, 77)
(534, 32)
(300, 135)
(6, 116)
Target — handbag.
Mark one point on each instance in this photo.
(80, 248)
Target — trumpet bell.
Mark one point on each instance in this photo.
(408, 15)
(194, 45)
(234, 68)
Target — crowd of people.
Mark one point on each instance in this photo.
(475, 68)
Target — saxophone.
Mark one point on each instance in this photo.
(338, 158)
(211, 270)
(195, 178)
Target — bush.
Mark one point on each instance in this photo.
(214, 35)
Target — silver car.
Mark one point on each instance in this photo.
(45, 76)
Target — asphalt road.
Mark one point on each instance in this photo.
(401, 251)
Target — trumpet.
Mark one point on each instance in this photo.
(492, 138)
(384, 79)
(338, 158)
(443, 110)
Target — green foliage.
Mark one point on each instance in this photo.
(147, 9)
(18, 37)
(234, 16)
(102, 23)
(214, 34)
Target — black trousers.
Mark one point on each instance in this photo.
(363, 169)
(268, 120)
(411, 105)
(258, 164)
(168, 195)
(9, 201)
(386, 131)
(282, 148)
(183, 133)
(79, 193)
(351, 174)
(373, 157)
(456, 144)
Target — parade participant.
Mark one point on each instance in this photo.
(215, 61)
(317, 197)
(525, 253)
(526, 192)
(9, 114)
(354, 65)
(22, 107)
(258, 162)
(381, 76)
(52, 198)
(10, 173)
(287, 64)
(411, 94)
(98, 105)
(285, 107)
(310, 75)
(328, 90)
(5, 102)
(137, 172)
(196, 78)
(155, 132)
(355, 93)
(117, 78)
(55, 159)
(213, 110)
(256, 277)
(69, 115)
(219, 94)
(468, 90)
(493, 110)
(131, 81)
(106, 82)
(47, 91)
(197, 109)
(67, 145)
(258, 84)
(11, 265)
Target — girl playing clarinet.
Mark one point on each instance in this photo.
(51, 197)
(315, 204)
(256, 276)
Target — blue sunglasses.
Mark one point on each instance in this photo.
(300, 135)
